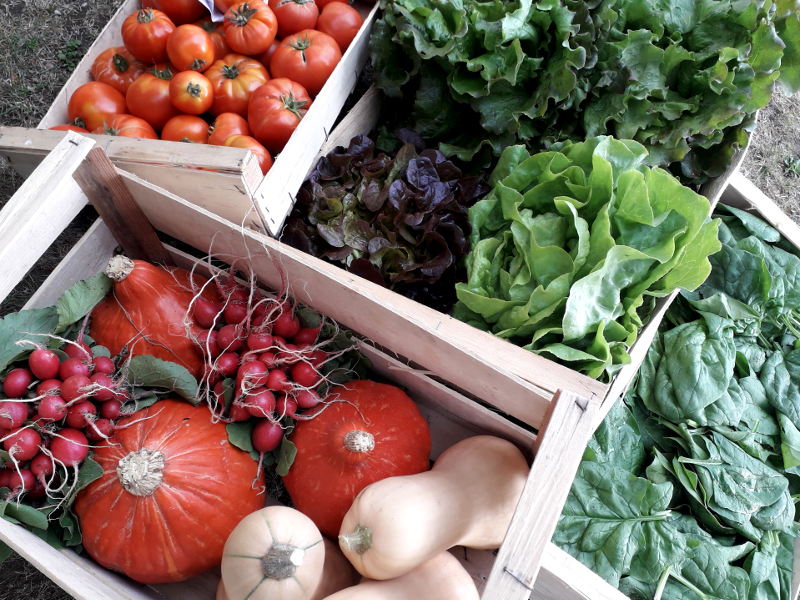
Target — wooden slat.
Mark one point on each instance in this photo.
(78, 576)
(563, 577)
(40, 210)
(102, 184)
(421, 334)
(361, 119)
(559, 448)
(86, 258)
(274, 198)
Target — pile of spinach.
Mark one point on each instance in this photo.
(570, 248)
(688, 488)
(682, 77)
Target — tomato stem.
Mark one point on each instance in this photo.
(198, 64)
(296, 107)
(120, 63)
(145, 15)
(230, 71)
(242, 16)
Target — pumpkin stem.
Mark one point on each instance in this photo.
(359, 540)
(282, 561)
(119, 267)
(141, 472)
(359, 441)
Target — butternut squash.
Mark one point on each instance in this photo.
(275, 553)
(337, 573)
(440, 578)
(466, 499)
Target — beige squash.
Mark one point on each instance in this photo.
(276, 553)
(466, 499)
(337, 572)
(440, 578)
(221, 595)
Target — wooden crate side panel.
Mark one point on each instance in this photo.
(421, 334)
(361, 119)
(40, 210)
(111, 35)
(563, 577)
(743, 193)
(275, 196)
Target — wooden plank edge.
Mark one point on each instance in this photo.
(563, 577)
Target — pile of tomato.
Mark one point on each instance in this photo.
(244, 82)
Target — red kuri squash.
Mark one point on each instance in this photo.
(147, 312)
(172, 491)
(374, 431)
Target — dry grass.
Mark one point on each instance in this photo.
(773, 162)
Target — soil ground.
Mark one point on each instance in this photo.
(48, 39)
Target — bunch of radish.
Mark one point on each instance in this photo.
(257, 349)
(51, 410)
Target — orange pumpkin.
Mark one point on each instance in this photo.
(172, 491)
(374, 431)
(147, 313)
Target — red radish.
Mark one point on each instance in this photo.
(22, 480)
(239, 412)
(16, 383)
(211, 376)
(78, 350)
(41, 464)
(286, 325)
(249, 357)
(49, 387)
(205, 312)
(37, 490)
(285, 407)
(44, 363)
(12, 414)
(99, 430)
(316, 358)
(235, 312)
(239, 294)
(261, 403)
(290, 354)
(268, 358)
(74, 387)
(103, 364)
(81, 414)
(5, 478)
(304, 374)
(227, 363)
(110, 409)
(52, 408)
(307, 398)
(73, 366)
(70, 447)
(306, 336)
(207, 340)
(251, 374)
(266, 436)
(122, 395)
(259, 340)
(278, 381)
(23, 444)
(229, 338)
(105, 387)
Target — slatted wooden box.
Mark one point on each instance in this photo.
(227, 181)
(434, 359)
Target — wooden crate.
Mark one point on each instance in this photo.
(227, 181)
(417, 350)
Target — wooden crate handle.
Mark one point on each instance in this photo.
(105, 189)
(568, 426)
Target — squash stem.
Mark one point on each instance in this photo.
(358, 541)
(282, 561)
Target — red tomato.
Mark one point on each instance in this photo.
(70, 128)
(226, 125)
(191, 92)
(321, 4)
(117, 67)
(190, 48)
(92, 102)
(148, 98)
(308, 57)
(245, 141)
(234, 79)
(185, 128)
(180, 11)
(127, 126)
(275, 111)
(223, 5)
(267, 56)
(294, 15)
(145, 34)
(341, 22)
(214, 30)
(250, 27)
